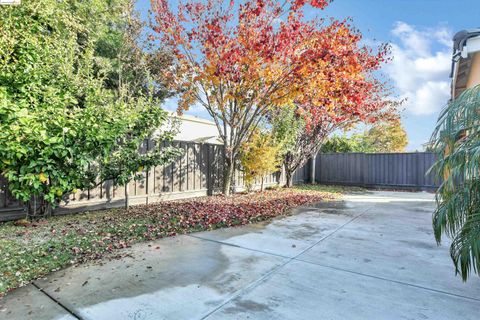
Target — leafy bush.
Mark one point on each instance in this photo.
(65, 123)
(382, 137)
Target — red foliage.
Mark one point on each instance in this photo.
(169, 218)
(219, 211)
(265, 50)
(246, 62)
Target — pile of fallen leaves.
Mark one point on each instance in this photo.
(32, 250)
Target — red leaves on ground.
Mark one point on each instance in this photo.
(34, 250)
(219, 211)
(104, 232)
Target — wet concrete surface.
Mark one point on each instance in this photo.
(29, 303)
(370, 256)
(306, 291)
(184, 277)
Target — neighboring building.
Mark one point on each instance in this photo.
(465, 61)
(196, 129)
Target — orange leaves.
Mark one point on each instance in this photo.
(341, 87)
(261, 55)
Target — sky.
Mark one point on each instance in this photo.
(420, 33)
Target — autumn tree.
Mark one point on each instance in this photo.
(259, 157)
(343, 93)
(242, 61)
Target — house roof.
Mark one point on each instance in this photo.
(465, 43)
(459, 43)
(196, 129)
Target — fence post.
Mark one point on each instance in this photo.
(312, 169)
(365, 168)
(127, 195)
(418, 172)
(209, 170)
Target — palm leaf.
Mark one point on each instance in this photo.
(456, 139)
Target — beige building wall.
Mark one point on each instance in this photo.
(193, 129)
(474, 74)
(197, 130)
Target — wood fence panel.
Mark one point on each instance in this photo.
(198, 172)
(395, 170)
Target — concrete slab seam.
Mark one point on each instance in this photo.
(257, 282)
(239, 247)
(389, 280)
(71, 312)
(332, 233)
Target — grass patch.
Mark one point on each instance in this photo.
(30, 250)
(331, 189)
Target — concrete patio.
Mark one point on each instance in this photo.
(370, 256)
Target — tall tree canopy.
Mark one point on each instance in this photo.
(345, 94)
(77, 97)
(457, 141)
(244, 61)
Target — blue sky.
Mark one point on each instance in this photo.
(420, 33)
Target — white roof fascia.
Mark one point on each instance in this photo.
(472, 45)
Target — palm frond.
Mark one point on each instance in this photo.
(465, 248)
(456, 139)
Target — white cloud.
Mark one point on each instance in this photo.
(420, 67)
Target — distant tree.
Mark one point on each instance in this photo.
(259, 158)
(381, 137)
(64, 123)
(386, 137)
(456, 139)
(344, 143)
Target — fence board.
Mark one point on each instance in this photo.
(199, 172)
(396, 170)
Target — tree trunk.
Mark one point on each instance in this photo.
(261, 185)
(227, 176)
(127, 200)
(312, 169)
(288, 169)
(38, 208)
(289, 177)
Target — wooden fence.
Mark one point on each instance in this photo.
(390, 170)
(197, 173)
